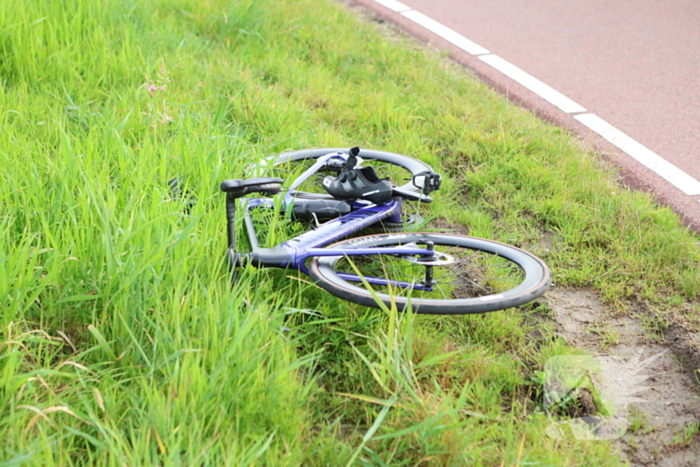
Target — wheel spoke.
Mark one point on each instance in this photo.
(471, 274)
(313, 184)
(398, 168)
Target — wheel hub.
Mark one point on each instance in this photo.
(438, 259)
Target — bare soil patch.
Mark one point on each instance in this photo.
(663, 429)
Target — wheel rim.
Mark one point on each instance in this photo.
(399, 168)
(480, 275)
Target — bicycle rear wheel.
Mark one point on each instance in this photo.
(399, 168)
(470, 275)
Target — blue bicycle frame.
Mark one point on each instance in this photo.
(294, 253)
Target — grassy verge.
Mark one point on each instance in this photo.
(123, 344)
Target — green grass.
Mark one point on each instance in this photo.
(122, 342)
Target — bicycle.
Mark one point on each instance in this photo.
(431, 273)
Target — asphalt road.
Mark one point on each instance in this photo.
(624, 75)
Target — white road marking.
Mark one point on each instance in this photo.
(394, 5)
(642, 154)
(446, 33)
(545, 91)
(634, 149)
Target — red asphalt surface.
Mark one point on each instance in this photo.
(633, 63)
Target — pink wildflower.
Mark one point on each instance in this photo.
(152, 89)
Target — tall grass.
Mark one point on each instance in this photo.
(122, 340)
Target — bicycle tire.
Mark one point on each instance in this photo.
(469, 295)
(386, 164)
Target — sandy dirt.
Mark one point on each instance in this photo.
(662, 429)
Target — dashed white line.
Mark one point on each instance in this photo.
(545, 91)
(394, 5)
(642, 154)
(634, 149)
(446, 33)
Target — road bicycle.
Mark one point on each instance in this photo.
(426, 272)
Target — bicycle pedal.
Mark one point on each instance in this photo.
(427, 182)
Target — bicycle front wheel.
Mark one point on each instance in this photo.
(467, 274)
(398, 168)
